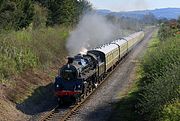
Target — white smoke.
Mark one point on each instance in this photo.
(91, 31)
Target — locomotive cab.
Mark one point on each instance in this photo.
(68, 72)
(68, 83)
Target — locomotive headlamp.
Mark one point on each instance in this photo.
(57, 85)
(79, 86)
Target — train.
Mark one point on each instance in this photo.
(84, 72)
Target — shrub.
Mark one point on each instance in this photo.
(157, 94)
(171, 112)
(156, 62)
(160, 82)
(27, 49)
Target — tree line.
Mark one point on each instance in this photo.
(18, 14)
(132, 23)
(168, 28)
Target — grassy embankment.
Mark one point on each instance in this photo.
(28, 54)
(155, 92)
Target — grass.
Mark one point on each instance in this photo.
(154, 41)
(28, 49)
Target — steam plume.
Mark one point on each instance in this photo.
(91, 31)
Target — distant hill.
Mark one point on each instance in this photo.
(169, 13)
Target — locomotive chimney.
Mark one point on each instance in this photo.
(70, 60)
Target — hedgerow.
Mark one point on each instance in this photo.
(159, 85)
(171, 112)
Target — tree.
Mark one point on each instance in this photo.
(7, 13)
(84, 6)
(61, 11)
(178, 22)
(16, 14)
(149, 19)
(66, 11)
(165, 32)
(25, 13)
(40, 16)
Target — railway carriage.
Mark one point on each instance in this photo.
(109, 54)
(133, 39)
(123, 47)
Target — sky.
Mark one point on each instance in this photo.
(131, 5)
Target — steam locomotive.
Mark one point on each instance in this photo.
(82, 73)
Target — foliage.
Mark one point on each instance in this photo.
(159, 84)
(165, 32)
(130, 23)
(14, 56)
(168, 29)
(149, 19)
(40, 16)
(126, 22)
(171, 112)
(156, 62)
(16, 14)
(28, 49)
(178, 20)
(65, 11)
(25, 10)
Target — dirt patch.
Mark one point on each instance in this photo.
(8, 112)
(26, 95)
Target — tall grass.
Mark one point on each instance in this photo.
(28, 49)
(171, 112)
(159, 85)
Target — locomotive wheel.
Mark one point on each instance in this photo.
(90, 89)
(82, 96)
(87, 92)
(59, 101)
(79, 99)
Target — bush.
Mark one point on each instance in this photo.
(157, 94)
(171, 112)
(166, 32)
(160, 82)
(27, 49)
(156, 62)
(7, 67)
(15, 58)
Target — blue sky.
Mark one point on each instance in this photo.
(130, 5)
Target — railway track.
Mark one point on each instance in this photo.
(65, 113)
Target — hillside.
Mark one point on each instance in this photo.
(170, 13)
